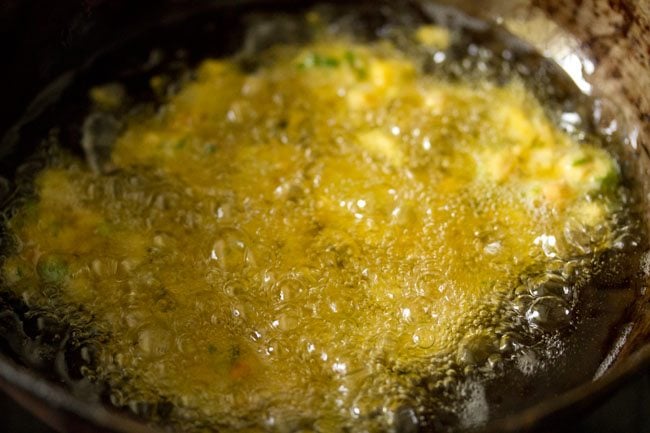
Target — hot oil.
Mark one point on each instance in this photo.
(128, 319)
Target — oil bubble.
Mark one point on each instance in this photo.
(475, 350)
(153, 340)
(424, 337)
(549, 313)
(550, 284)
(231, 250)
(289, 289)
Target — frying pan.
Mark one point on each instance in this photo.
(603, 46)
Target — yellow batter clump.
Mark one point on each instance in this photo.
(294, 247)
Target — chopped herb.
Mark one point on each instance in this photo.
(52, 269)
(315, 60)
(329, 62)
(181, 143)
(581, 161)
(104, 229)
(212, 348)
(235, 353)
(351, 58)
(356, 64)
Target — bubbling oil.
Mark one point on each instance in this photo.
(333, 235)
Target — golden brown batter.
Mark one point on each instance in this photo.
(294, 247)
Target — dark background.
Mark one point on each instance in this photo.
(626, 411)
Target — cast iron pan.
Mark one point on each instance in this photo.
(48, 46)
